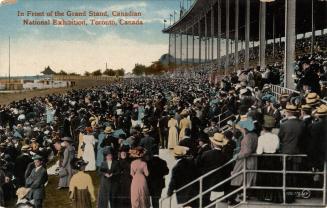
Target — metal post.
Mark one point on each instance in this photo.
(212, 31)
(200, 192)
(205, 37)
(169, 52)
(244, 180)
(175, 48)
(274, 38)
(313, 30)
(186, 48)
(247, 34)
(193, 44)
(324, 185)
(284, 179)
(200, 48)
(262, 31)
(236, 33)
(219, 33)
(227, 37)
(290, 15)
(9, 66)
(181, 48)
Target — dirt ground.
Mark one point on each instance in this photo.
(7, 98)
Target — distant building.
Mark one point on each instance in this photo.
(48, 71)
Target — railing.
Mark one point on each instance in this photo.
(285, 170)
(221, 119)
(278, 91)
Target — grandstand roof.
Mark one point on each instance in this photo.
(277, 9)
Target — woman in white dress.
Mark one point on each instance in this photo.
(173, 133)
(88, 153)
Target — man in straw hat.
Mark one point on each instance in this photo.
(211, 160)
(318, 136)
(183, 173)
(36, 182)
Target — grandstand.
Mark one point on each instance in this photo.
(222, 36)
(209, 30)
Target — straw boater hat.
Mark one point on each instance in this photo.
(108, 130)
(184, 113)
(25, 147)
(306, 107)
(312, 98)
(180, 151)
(321, 110)
(22, 192)
(269, 121)
(291, 108)
(218, 139)
(68, 139)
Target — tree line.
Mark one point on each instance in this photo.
(107, 72)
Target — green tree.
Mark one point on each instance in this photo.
(109, 72)
(139, 69)
(62, 72)
(87, 73)
(120, 72)
(97, 73)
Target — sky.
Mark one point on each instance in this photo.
(82, 48)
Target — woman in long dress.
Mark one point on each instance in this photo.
(140, 197)
(173, 134)
(88, 154)
(185, 123)
(64, 165)
(81, 186)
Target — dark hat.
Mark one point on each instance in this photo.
(108, 151)
(269, 121)
(78, 163)
(37, 157)
(204, 138)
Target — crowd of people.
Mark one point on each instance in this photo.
(118, 130)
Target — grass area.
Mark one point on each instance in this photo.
(60, 198)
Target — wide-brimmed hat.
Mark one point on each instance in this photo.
(108, 130)
(180, 151)
(218, 139)
(312, 98)
(68, 139)
(22, 192)
(321, 110)
(37, 157)
(204, 138)
(246, 124)
(137, 152)
(269, 121)
(306, 107)
(25, 147)
(184, 112)
(291, 108)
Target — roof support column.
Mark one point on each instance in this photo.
(247, 34)
(200, 48)
(181, 48)
(274, 38)
(175, 48)
(192, 44)
(227, 37)
(212, 31)
(313, 28)
(205, 38)
(237, 14)
(169, 49)
(262, 33)
(186, 48)
(290, 17)
(219, 33)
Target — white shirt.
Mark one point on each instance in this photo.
(267, 143)
(109, 164)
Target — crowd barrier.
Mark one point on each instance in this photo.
(76, 77)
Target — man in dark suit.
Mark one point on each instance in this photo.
(109, 171)
(211, 160)
(21, 164)
(156, 182)
(149, 142)
(189, 142)
(183, 173)
(36, 181)
(203, 144)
